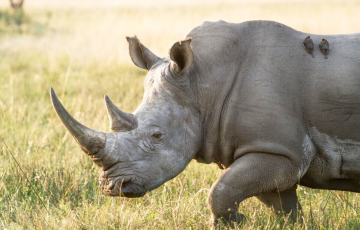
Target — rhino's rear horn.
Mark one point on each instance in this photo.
(119, 121)
(91, 141)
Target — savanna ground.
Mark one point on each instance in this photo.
(78, 48)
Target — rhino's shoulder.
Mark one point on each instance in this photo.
(223, 28)
(209, 28)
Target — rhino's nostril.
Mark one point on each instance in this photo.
(111, 184)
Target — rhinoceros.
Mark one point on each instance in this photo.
(247, 97)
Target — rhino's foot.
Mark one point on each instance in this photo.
(231, 220)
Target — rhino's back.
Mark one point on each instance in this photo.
(274, 68)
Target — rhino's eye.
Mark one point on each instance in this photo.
(156, 135)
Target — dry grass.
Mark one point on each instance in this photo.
(79, 49)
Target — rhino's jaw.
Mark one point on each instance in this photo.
(122, 187)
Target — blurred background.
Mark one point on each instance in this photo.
(96, 29)
(78, 47)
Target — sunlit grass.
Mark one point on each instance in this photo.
(82, 54)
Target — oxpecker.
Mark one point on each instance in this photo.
(309, 45)
(324, 47)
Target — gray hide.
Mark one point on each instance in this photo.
(249, 98)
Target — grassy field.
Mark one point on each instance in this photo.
(79, 49)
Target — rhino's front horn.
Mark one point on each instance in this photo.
(91, 141)
(119, 121)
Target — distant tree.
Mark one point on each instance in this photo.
(16, 4)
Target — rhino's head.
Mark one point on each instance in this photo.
(157, 141)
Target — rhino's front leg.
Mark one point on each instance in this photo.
(251, 175)
(283, 202)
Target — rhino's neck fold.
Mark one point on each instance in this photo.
(217, 62)
(212, 103)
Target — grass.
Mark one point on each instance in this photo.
(82, 53)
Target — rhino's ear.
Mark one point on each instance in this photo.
(140, 55)
(182, 56)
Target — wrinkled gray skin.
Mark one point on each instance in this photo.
(247, 97)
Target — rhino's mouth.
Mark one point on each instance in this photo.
(123, 188)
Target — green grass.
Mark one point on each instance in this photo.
(83, 55)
